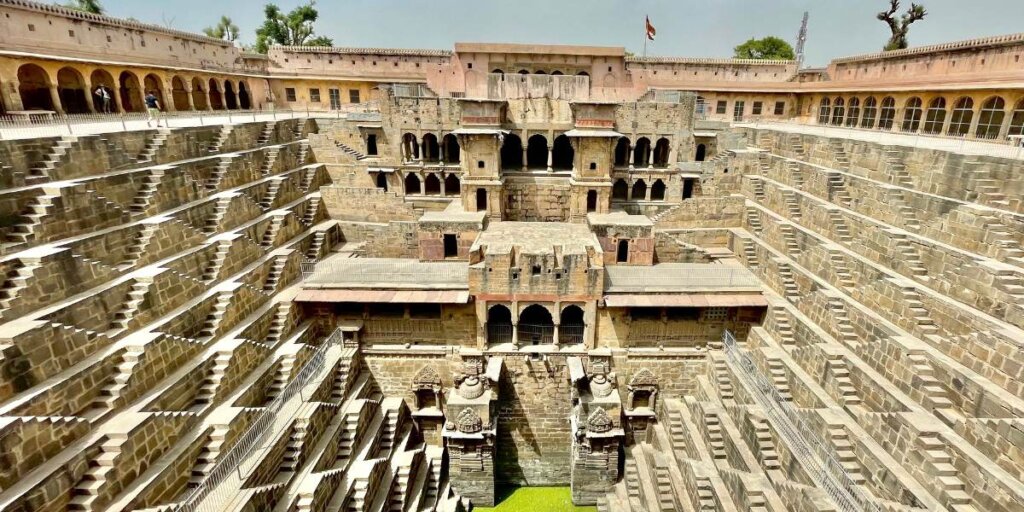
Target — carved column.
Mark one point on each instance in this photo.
(55, 98)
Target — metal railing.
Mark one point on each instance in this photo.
(499, 333)
(225, 480)
(534, 334)
(403, 329)
(817, 458)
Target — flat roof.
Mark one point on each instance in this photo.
(678, 278)
(541, 49)
(344, 272)
(619, 218)
(538, 238)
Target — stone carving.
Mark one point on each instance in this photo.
(643, 390)
(599, 422)
(470, 387)
(426, 378)
(601, 386)
(469, 421)
(644, 377)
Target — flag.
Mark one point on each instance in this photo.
(650, 29)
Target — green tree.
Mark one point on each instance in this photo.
(224, 29)
(770, 47)
(292, 29)
(90, 6)
(900, 27)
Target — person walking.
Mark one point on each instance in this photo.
(104, 97)
(152, 108)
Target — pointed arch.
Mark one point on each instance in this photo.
(451, 149)
(661, 152)
(936, 116)
(216, 100)
(452, 185)
(639, 191)
(622, 152)
(512, 152)
(658, 190)
(131, 92)
(537, 152)
(620, 190)
(963, 114)
(179, 95)
(562, 154)
(229, 95)
(244, 99)
(34, 88)
(412, 184)
(199, 94)
(154, 84)
(990, 119)
(641, 152)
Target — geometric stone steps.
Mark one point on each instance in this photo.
(754, 219)
(795, 174)
(282, 376)
(279, 324)
(839, 154)
(141, 241)
(934, 394)
(789, 238)
(759, 193)
(912, 300)
(222, 137)
(838, 263)
(212, 271)
(907, 214)
(939, 466)
(896, 170)
(35, 211)
(149, 187)
(60, 148)
(783, 328)
(632, 479)
(766, 452)
(269, 160)
(666, 495)
(207, 459)
(908, 255)
(303, 157)
(270, 235)
(750, 253)
(276, 270)
(387, 437)
(706, 498)
(677, 433)
(311, 209)
(217, 175)
(847, 335)
(841, 374)
(845, 454)
(136, 296)
(716, 441)
(792, 203)
(293, 450)
(219, 211)
(839, 223)
(313, 252)
(1001, 236)
(796, 144)
(780, 378)
(208, 389)
(273, 185)
(837, 187)
(213, 320)
(307, 178)
(267, 133)
(153, 145)
(86, 493)
(17, 280)
(722, 380)
(790, 290)
(111, 391)
(349, 150)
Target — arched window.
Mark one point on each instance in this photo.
(537, 152)
(853, 113)
(960, 120)
(102, 79)
(539, 72)
(244, 101)
(990, 120)
(583, 73)
(641, 152)
(523, 72)
(412, 184)
(556, 72)
(870, 112)
(621, 190)
(499, 324)
(498, 72)
(702, 151)
(912, 115)
(153, 84)
(571, 326)
(838, 111)
(431, 151)
(34, 88)
(229, 95)
(661, 151)
(178, 93)
(562, 153)
(71, 89)
(131, 92)
(512, 152)
(536, 326)
(935, 116)
(591, 201)
(410, 148)
(216, 100)
(432, 185)
(824, 111)
(658, 191)
(1017, 121)
(382, 181)
(887, 114)
(639, 192)
(622, 152)
(452, 185)
(198, 94)
(451, 149)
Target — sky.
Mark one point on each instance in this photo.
(690, 28)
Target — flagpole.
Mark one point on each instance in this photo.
(645, 36)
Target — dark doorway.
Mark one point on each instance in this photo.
(451, 149)
(620, 190)
(452, 186)
(537, 152)
(622, 152)
(432, 185)
(371, 144)
(412, 184)
(481, 200)
(562, 154)
(570, 329)
(382, 181)
(499, 324)
(701, 150)
(592, 201)
(536, 326)
(641, 152)
(658, 191)
(687, 189)
(451, 246)
(512, 152)
(622, 252)
(34, 88)
(639, 191)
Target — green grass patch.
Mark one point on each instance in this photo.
(535, 499)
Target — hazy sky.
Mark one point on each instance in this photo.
(693, 28)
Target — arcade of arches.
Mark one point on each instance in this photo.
(82, 90)
(535, 325)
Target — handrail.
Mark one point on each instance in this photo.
(232, 462)
(817, 458)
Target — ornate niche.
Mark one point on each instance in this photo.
(642, 391)
(426, 386)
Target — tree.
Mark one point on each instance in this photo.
(89, 6)
(770, 47)
(899, 28)
(292, 29)
(224, 29)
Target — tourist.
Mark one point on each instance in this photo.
(104, 97)
(152, 108)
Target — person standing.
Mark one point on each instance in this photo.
(104, 97)
(152, 108)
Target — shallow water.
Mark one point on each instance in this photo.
(535, 499)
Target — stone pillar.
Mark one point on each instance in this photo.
(417, 151)
(55, 98)
(550, 154)
(647, 192)
(597, 437)
(632, 155)
(188, 94)
(650, 156)
(525, 153)
(515, 333)
(89, 102)
(974, 122)
(116, 98)
(1004, 130)
(947, 122)
(168, 95)
(441, 176)
(209, 104)
(444, 156)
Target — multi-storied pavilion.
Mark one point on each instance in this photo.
(404, 279)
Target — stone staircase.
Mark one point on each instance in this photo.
(919, 314)
(796, 175)
(153, 145)
(934, 395)
(347, 440)
(845, 454)
(41, 172)
(111, 391)
(270, 235)
(898, 174)
(212, 271)
(758, 189)
(790, 290)
(17, 280)
(792, 203)
(86, 494)
(906, 215)
(24, 231)
(222, 137)
(316, 245)
(837, 189)
(938, 465)
(796, 144)
(149, 187)
(303, 157)
(842, 161)
(308, 176)
(399, 489)
(908, 256)
(842, 231)
(632, 479)
(783, 327)
(713, 428)
(207, 459)
(1002, 237)
(780, 379)
(268, 161)
(211, 326)
(130, 307)
(841, 320)
(293, 451)
(750, 253)
(841, 375)
(274, 276)
(837, 261)
(789, 239)
(722, 380)
(273, 186)
(217, 174)
(279, 323)
(309, 214)
(282, 376)
(754, 220)
(706, 499)
(766, 454)
(220, 210)
(387, 437)
(208, 389)
(266, 133)
(348, 150)
(663, 486)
